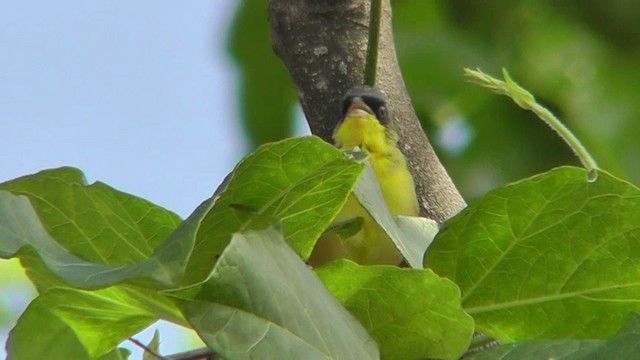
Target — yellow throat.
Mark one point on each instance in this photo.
(365, 124)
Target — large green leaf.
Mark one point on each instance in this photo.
(302, 181)
(35, 321)
(553, 256)
(20, 227)
(625, 345)
(66, 323)
(412, 314)
(89, 236)
(263, 302)
(95, 221)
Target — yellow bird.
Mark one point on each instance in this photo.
(365, 124)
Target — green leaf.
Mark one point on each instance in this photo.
(61, 343)
(262, 301)
(346, 229)
(553, 256)
(410, 313)
(171, 257)
(520, 95)
(542, 349)
(302, 181)
(624, 345)
(20, 227)
(81, 232)
(66, 323)
(267, 95)
(411, 236)
(153, 345)
(94, 221)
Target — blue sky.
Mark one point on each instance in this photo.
(137, 94)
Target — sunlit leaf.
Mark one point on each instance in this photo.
(79, 324)
(553, 256)
(302, 181)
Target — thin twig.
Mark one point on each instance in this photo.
(525, 100)
(371, 64)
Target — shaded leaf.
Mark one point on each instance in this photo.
(542, 349)
(263, 302)
(346, 229)
(419, 232)
(411, 237)
(553, 256)
(625, 345)
(302, 181)
(412, 314)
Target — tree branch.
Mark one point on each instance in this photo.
(323, 45)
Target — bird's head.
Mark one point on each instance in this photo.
(364, 122)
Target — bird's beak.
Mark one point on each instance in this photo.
(358, 109)
(357, 112)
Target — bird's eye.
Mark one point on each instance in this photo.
(383, 115)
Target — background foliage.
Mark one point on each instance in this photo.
(580, 61)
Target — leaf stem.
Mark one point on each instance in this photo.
(371, 64)
(525, 100)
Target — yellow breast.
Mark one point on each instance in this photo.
(370, 245)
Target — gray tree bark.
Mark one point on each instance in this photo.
(323, 45)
